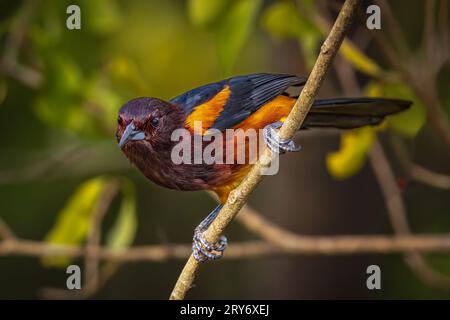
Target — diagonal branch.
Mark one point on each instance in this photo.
(238, 197)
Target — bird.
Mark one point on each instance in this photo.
(257, 101)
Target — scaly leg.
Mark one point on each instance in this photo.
(203, 250)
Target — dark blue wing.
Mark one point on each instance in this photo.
(248, 94)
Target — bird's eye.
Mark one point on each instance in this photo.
(155, 122)
(120, 120)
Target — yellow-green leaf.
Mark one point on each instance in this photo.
(122, 233)
(124, 73)
(73, 222)
(205, 13)
(409, 122)
(351, 156)
(282, 20)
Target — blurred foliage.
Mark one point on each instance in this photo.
(230, 21)
(122, 233)
(355, 144)
(73, 222)
(206, 13)
(351, 156)
(284, 20)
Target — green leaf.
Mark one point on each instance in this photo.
(351, 156)
(409, 122)
(205, 13)
(124, 73)
(123, 232)
(234, 31)
(102, 104)
(102, 17)
(82, 105)
(73, 222)
(283, 20)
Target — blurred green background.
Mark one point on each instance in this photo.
(60, 91)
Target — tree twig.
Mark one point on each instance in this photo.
(294, 121)
(289, 244)
(92, 261)
(418, 172)
(5, 232)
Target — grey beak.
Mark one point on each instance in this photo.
(131, 133)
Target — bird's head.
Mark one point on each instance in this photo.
(147, 122)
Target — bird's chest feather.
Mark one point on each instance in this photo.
(161, 164)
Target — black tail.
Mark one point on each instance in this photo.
(348, 113)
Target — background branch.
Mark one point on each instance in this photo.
(418, 172)
(289, 244)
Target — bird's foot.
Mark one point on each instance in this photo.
(202, 249)
(275, 143)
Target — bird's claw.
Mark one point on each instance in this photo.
(204, 250)
(273, 141)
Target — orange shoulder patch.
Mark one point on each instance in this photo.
(273, 111)
(208, 112)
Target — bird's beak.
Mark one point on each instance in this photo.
(131, 133)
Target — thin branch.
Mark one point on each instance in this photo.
(294, 121)
(5, 232)
(443, 25)
(92, 261)
(418, 172)
(424, 175)
(289, 244)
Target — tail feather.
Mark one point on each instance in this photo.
(348, 113)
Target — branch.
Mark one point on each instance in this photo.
(418, 172)
(289, 244)
(92, 261)
(293, 122)
(5, 232)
